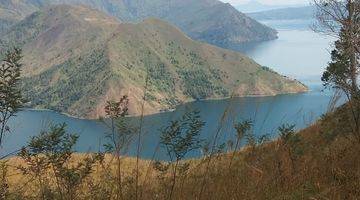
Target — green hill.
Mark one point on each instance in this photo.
(206, 20)
(77, 58)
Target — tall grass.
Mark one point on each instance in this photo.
(138, 151)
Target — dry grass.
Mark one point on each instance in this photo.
(323, 164)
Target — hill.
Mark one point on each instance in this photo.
(296, 13)
(77, 58)
(256, 6)
(206, 20)
(12, 11)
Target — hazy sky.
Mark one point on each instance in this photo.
(269, 2)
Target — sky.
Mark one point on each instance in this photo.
(268, 2)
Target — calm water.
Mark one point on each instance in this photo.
(267, 112)
(298, 52)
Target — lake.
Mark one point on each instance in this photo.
(298, 53)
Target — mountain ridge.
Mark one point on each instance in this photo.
(73, 65)
(256, 6)
(291, 13)
(211, 21)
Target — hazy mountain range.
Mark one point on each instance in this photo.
(206, 20)
(76, 58)
(256, 6)
(296, 13)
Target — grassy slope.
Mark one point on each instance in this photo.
(325, 165)
(77, 58)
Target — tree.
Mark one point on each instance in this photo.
(49, 155)
(120, 136)
(341, 18)
(181, 137)
(242, 129)
(10, 95)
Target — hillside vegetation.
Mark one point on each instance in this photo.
(77, 58)
(206, 20)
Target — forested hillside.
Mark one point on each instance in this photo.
(77, 58)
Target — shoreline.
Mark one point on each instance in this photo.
(53, 111)
(169, 111)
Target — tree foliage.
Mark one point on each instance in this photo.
(49, 155)
(182, 135)
(179, 138)
(10, 95)
(342, 19)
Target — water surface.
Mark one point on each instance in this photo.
(298, 52)
(268, 113)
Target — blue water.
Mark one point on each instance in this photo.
(299, 53)
(307, 55)
(268, 113)
(292, 24)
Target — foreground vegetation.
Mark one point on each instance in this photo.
(320, 162)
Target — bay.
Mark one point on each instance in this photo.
(298, 53)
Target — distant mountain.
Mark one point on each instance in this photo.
(210, 21)
(298, 13)
(12, 11)
(76, 58)
(256, 6)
